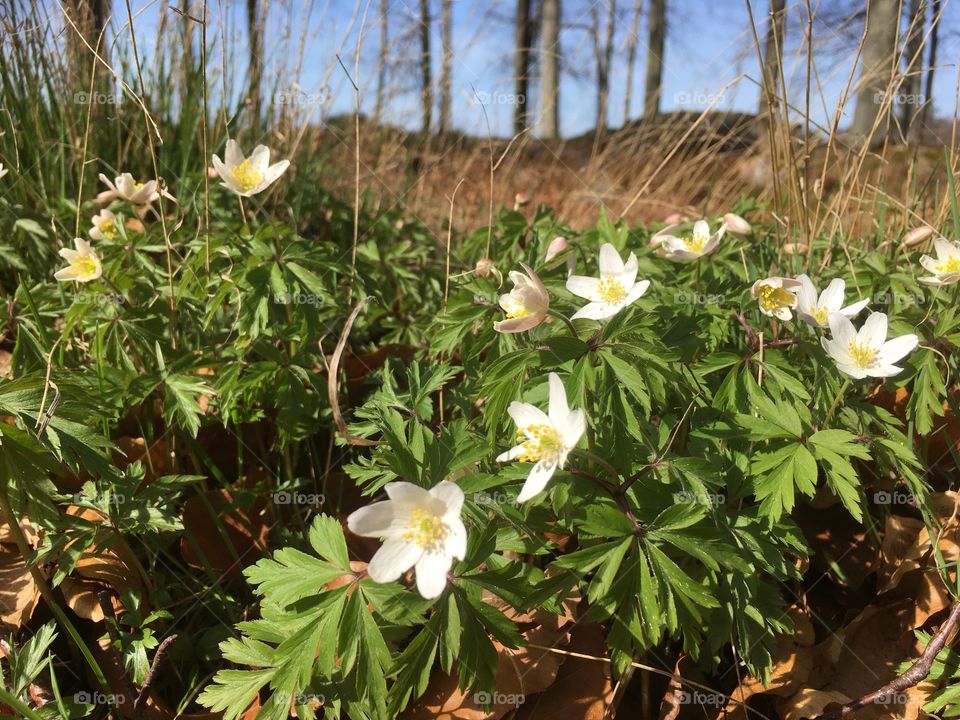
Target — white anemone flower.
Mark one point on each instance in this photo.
(547, 437)
(104, 226)
(124, 187)
(776, 296)
(248, 176)
(693, 246)
(945, 267)
(616, 287)
(84, 264)
(526, 304)
(420, 528)
(866, 353)
(815, 311)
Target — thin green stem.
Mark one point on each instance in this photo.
(836, 402)
(566, 320)
(596, 459)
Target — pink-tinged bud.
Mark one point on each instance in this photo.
(212, 173)
(557, 246)
(484, 266)
(666, 232)
(736, 224)
(917, 236)
(521, 199)
(398, 224)
(796, 248)
(674, 219)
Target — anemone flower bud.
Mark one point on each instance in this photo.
(917, 236)
(736, 224)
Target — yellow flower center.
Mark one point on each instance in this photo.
(950, 265)
(137, 185)
(820, 315)
(542, 441)
(695, 244)
(611, 291)
(863, 355)
(773, 298)
(85, 267)
(515, 309)
(246, 176)
(426, 530)
(107, 229)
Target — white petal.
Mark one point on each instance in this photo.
(450, 494)
(946, 249)
(851, 310)
(456, 542)
(392, 560)
(637, 291)
(929, 263)
(537, 480)
(573, 427)
(524, 414)
(596, 311)
(832, 297)
(700, 227)
(233, 154)
(66, 274)
(558, 409)
(894, 350)
(854, 371)
(432, 569)
(881, 371)
(807, 295)
(511, 454)
(629, 275)
(373, 520)
(582, 286)
(408, 493)
(841, 329)
(610, 261)
(260, 158)
(874, 330)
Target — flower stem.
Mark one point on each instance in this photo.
(836, 401)
(566, 320)
(596, 459)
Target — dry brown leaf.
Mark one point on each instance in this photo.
(19, 594)
(30, 531)
(792, 665)
(6, 364)
(245, 528)
(155, 456)
(809, 703)
(673, 698)
(583, 689)
(521, 672)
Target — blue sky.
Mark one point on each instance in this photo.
(709, 45)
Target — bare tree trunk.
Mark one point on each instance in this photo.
(550, 70)
(382, 61)
(927, 115)
(255, 18)
(90, 17)
(656, 35)
(877, 68)
(773, 57)
(603, 50)
(446, 32)
(523, 38)
(631, 58)
(426, 96)
(913, 82)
